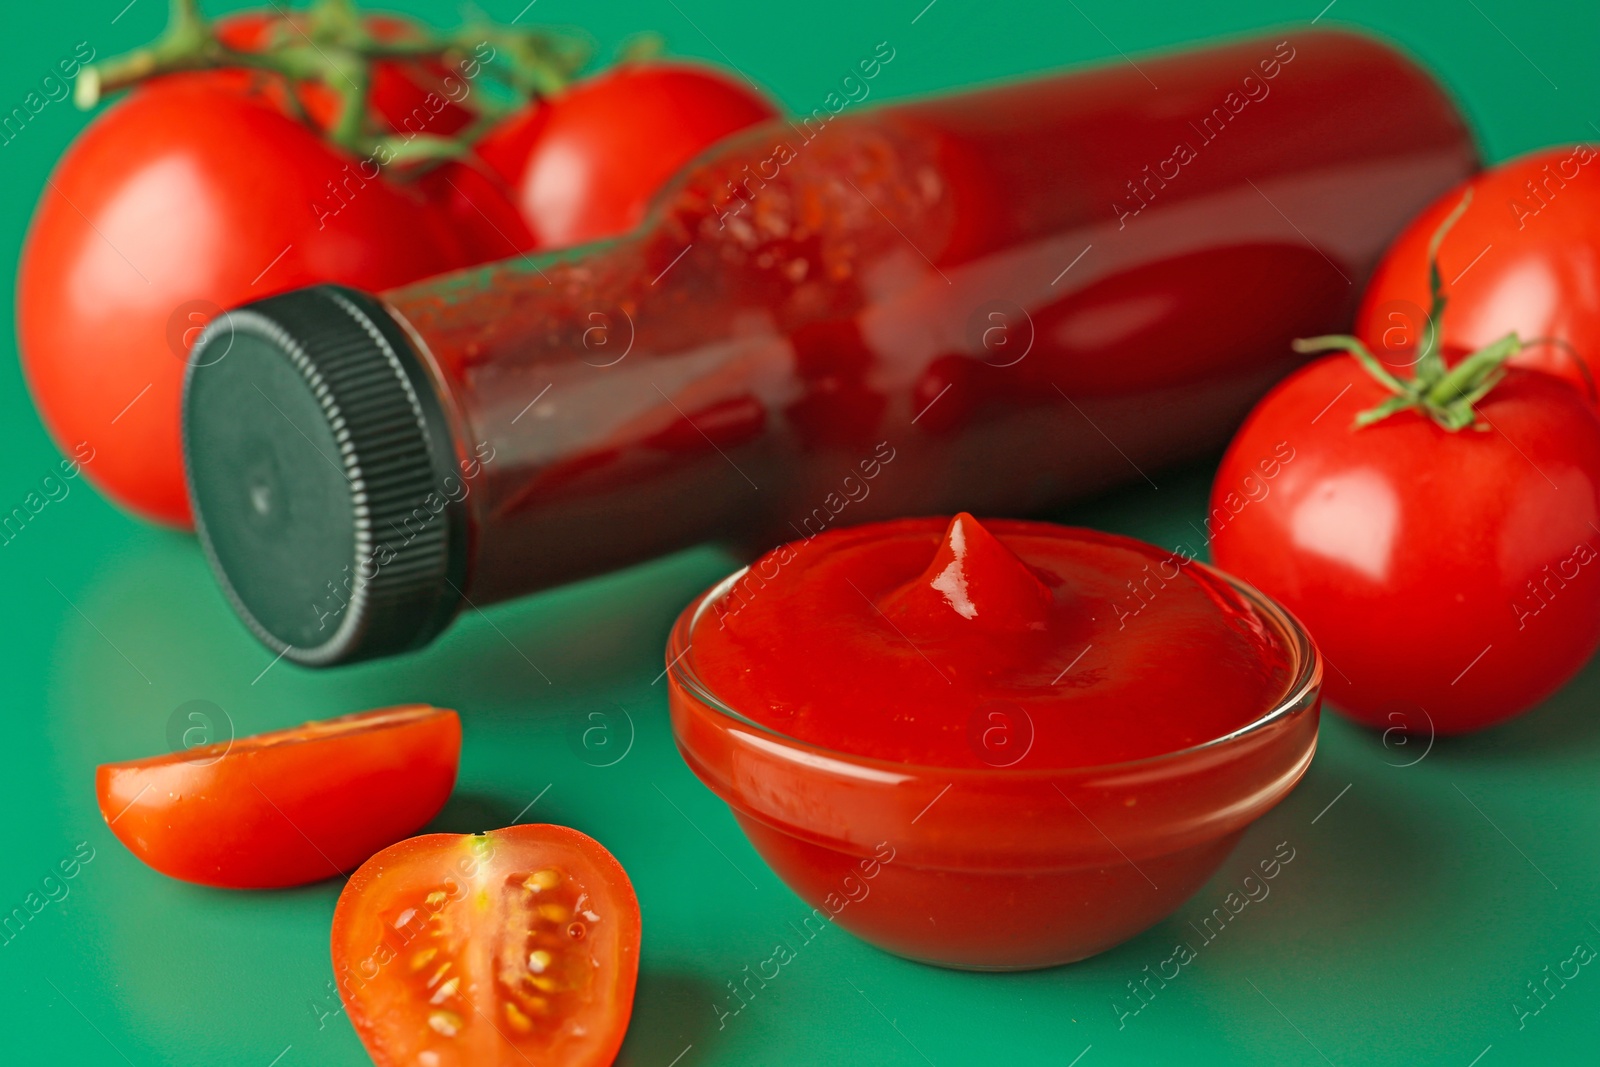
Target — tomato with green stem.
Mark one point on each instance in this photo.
(399, 87)
(495, 949)
(1524, 257)
(287, 807)
(1438, 532)
(426, 99)
(229, 173)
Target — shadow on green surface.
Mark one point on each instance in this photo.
(661, 1029)
(1565, 727)
(470, 813)
(590, 636)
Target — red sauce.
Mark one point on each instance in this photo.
(1074, 267)
(1034, 741)
(965, 645)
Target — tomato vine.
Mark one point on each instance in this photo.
(332, 45)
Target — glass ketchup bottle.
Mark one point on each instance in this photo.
(989, 301)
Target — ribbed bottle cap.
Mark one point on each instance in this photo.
(319, 463)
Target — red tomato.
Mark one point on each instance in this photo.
(184, 198)
(288, 807)
(499, 949)
(1452, 579)
(477, 209)
(585, 164)
(1525, 257)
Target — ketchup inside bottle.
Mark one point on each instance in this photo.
(991, 301)
(1022, 293)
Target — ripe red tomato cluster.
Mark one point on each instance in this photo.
(203, 190)
(1442, 545)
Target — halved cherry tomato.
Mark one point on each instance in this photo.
(586, 163)
(287, 807)
(506, 948)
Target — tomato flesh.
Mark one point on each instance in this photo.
(516, 946)
(287, 807)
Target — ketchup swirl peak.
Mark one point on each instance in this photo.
(974, 581)
(1097, 649)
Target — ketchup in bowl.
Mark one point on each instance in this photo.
(1041, 740)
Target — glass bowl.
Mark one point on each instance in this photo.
(1002, 868)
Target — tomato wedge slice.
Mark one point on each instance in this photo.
(288, 807)
(506, 948)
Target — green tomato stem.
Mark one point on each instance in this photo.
(1430, 361)
(1577, 360)
(1466, 377)
(1355, 347)
(184, 14)
(1446, 395)
(353, 85)
(330, 44)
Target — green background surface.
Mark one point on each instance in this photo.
(1416, 907)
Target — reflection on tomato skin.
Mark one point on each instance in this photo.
(1450, 572)
(1350, 520)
